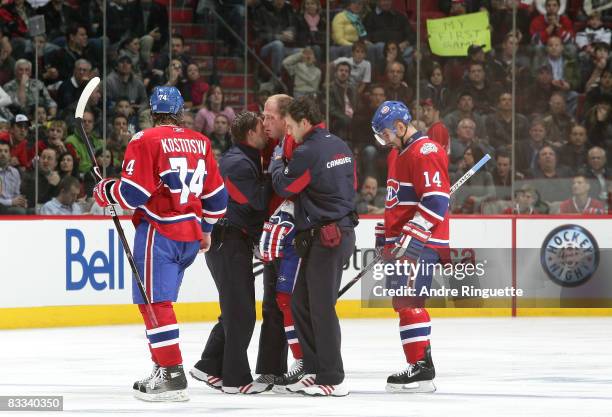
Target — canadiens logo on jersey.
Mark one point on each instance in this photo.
(428, 148)
(392, 191)
(418, 185)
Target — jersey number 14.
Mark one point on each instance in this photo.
(435, 179)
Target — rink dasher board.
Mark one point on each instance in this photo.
(72, 270)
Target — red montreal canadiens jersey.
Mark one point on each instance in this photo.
(418, 183)
(169, 175)
(592, 206)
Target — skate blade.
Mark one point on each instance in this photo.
(415, 387)
(281, 389)
(169, 396)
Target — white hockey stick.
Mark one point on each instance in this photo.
(78, 115)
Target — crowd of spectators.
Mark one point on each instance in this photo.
(557, 160)
(41, 155)
(561, 113)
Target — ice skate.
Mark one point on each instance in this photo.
(306, 381)
(316, 390)
(215, 382)
(417, 377)
(295, 373)
(251, 388)
(143, 381)
(167, 384)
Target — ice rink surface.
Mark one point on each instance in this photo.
(485, 367)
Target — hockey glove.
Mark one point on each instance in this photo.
(277, 232)
(379, 234)
(411, 242)
(102, 192)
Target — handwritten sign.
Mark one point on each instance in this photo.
(451, 36)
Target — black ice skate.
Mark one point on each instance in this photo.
(145, 380)
(167, 384)
(417, 377)
(295, 373)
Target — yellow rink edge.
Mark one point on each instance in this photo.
(62, 316)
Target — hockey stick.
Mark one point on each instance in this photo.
(78, 115)
(379, 256)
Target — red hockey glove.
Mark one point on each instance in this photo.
(102, 192)
(411, 242)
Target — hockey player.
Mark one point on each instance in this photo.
(277, 329)
(415, 229)
(276, 244)
(170, 178)
(321, 178)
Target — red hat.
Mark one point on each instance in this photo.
(5, 136)
(427, 102)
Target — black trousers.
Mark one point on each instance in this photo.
(225, 353)
(314, 308)
(272, 355)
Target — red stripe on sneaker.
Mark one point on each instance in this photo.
(246, 388)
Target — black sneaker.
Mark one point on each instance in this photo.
(167, 384)
(417, 377)
(295, 373)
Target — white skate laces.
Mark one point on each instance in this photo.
(408, 371)
(159, 375)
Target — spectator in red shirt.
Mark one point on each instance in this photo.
(22, 152)
(435, 128)
(197, 87)
(581, 203)
(551, 24)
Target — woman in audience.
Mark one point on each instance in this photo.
(196, 87)
(213, 105)
(310, 28)
(68, 165)
(391, 54)
(435, 88)
(348, 28)
(56, 137)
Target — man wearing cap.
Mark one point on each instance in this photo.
(22, 151)
(122, 83)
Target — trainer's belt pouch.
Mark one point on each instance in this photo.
(302, 243)
(330, 235)
(218, 232)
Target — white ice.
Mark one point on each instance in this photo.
(485, 367)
